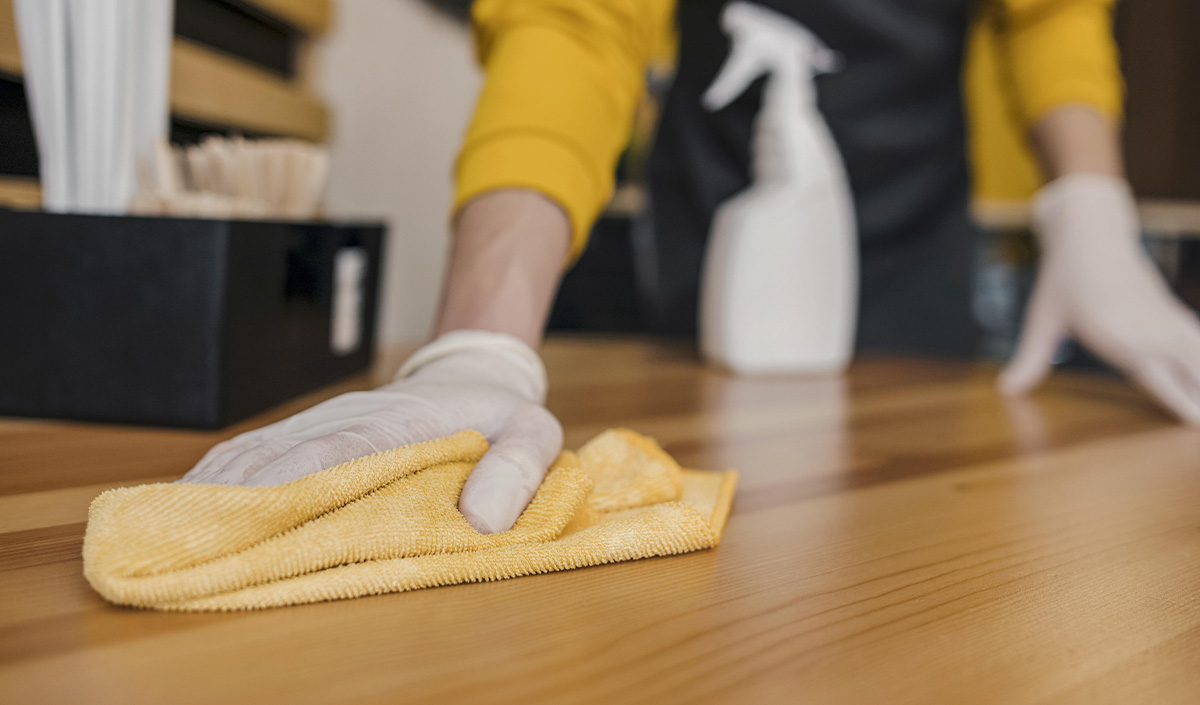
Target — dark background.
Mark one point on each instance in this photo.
(1159, 42)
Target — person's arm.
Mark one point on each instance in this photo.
(481, 373)
(1094, 281)
(1077, 138)
(537, 165)
(508, 254)
(562, 81)
(536, 168)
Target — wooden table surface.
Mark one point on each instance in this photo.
(899, 536)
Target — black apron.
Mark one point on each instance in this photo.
(895, 110)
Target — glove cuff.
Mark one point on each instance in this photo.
(530, 381)
(1097, 209)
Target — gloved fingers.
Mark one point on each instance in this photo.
(1186, 356)
(509, 474)
(235, 470)
(324, 419)
(1169, 387)
(1181, 354)
(219, 455)
(387, 418)
(234, 460)
(216, 457)
(1041, 335)
(1187, 339)
(1188, 372)
(331, 415)
(311, 456)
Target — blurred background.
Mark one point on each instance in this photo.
(389, 85)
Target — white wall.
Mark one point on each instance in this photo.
(400, 81)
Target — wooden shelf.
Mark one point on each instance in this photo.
(10, 54)
(213, 88)
(309, 16)
(20, 192)
(1163, 218)
(628, 201)
(1176, 218)
(210, 87)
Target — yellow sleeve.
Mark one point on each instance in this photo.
(562, 80)
(1026, 58)
(1060, 52)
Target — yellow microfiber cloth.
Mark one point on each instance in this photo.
(389, 522)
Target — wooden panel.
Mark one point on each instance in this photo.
(17, 192)
(906, 536)
(310, 16)
(213, 88)
(10, 52)
(1163, 218)
(1160, 55)
(209, 87)
(628, 201)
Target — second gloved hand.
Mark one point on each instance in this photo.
(486, 382)
(1095, 283)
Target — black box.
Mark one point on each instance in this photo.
(177, 322)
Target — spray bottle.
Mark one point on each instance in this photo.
(780, 282)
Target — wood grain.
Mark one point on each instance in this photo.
(902, 535)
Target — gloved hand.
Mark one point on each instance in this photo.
(1095, 284)
(488, 382)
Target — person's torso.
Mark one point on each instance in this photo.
(894, 108)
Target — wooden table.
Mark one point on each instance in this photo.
(902, 536)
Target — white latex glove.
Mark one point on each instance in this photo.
(1096, 284)
(488, 382)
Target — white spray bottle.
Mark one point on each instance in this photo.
(780, 283)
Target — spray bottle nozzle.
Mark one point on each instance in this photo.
(765, 41)
(826, 60)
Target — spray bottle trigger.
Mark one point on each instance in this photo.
(738, 72)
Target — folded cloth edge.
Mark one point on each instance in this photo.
(696, 521)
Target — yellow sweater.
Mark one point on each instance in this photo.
(563, 78)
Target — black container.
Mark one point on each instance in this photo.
(176, 322)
